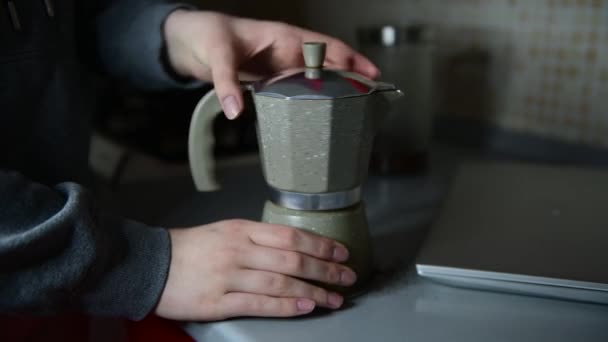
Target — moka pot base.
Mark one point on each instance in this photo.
(348, 226)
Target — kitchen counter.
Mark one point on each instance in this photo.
(399, 305)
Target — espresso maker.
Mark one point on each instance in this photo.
(315, 131)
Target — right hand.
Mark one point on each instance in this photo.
(244, 268)
(212, 46)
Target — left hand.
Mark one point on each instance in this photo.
(237, 268)
(215, 47)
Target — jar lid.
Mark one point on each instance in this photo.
(316, 83)
(388, 36)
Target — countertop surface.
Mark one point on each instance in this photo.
(399, 305)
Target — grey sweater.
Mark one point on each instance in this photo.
(58, 252)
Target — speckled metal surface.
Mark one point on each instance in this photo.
(348, 226)
(318, 145)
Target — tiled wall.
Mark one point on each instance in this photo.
(547, 70)
(537, 66)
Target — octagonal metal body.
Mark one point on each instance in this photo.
(317, 146)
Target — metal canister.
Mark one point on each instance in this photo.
(405, 56)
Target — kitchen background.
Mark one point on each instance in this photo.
(536, 67)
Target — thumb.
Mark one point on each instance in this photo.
(225, 78)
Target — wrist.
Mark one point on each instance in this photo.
(175, 48)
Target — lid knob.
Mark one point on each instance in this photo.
(314, 54)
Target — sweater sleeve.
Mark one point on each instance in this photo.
(59, 253)
(130, 43)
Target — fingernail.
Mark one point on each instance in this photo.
(305, 305)
(340, 253)
(334, 300)
(231, 107)
(348, 277)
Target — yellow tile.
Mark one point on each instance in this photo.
(591, 55)
(572, 71)
(604, 76)
(593, 37)
(577, 37)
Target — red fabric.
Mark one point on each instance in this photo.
(66, 328)
(75, 328)
(153, 329)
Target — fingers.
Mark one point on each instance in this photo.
(293, 239)
(365, 67)
(342, 56)
(278, 285)
(246, 304)
(224, 70)
(297, 265)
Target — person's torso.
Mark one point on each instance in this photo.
(44, 108)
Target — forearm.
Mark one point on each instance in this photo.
(130, 43)
(58, 253)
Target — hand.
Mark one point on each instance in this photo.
(243, 268)
(215, 47)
